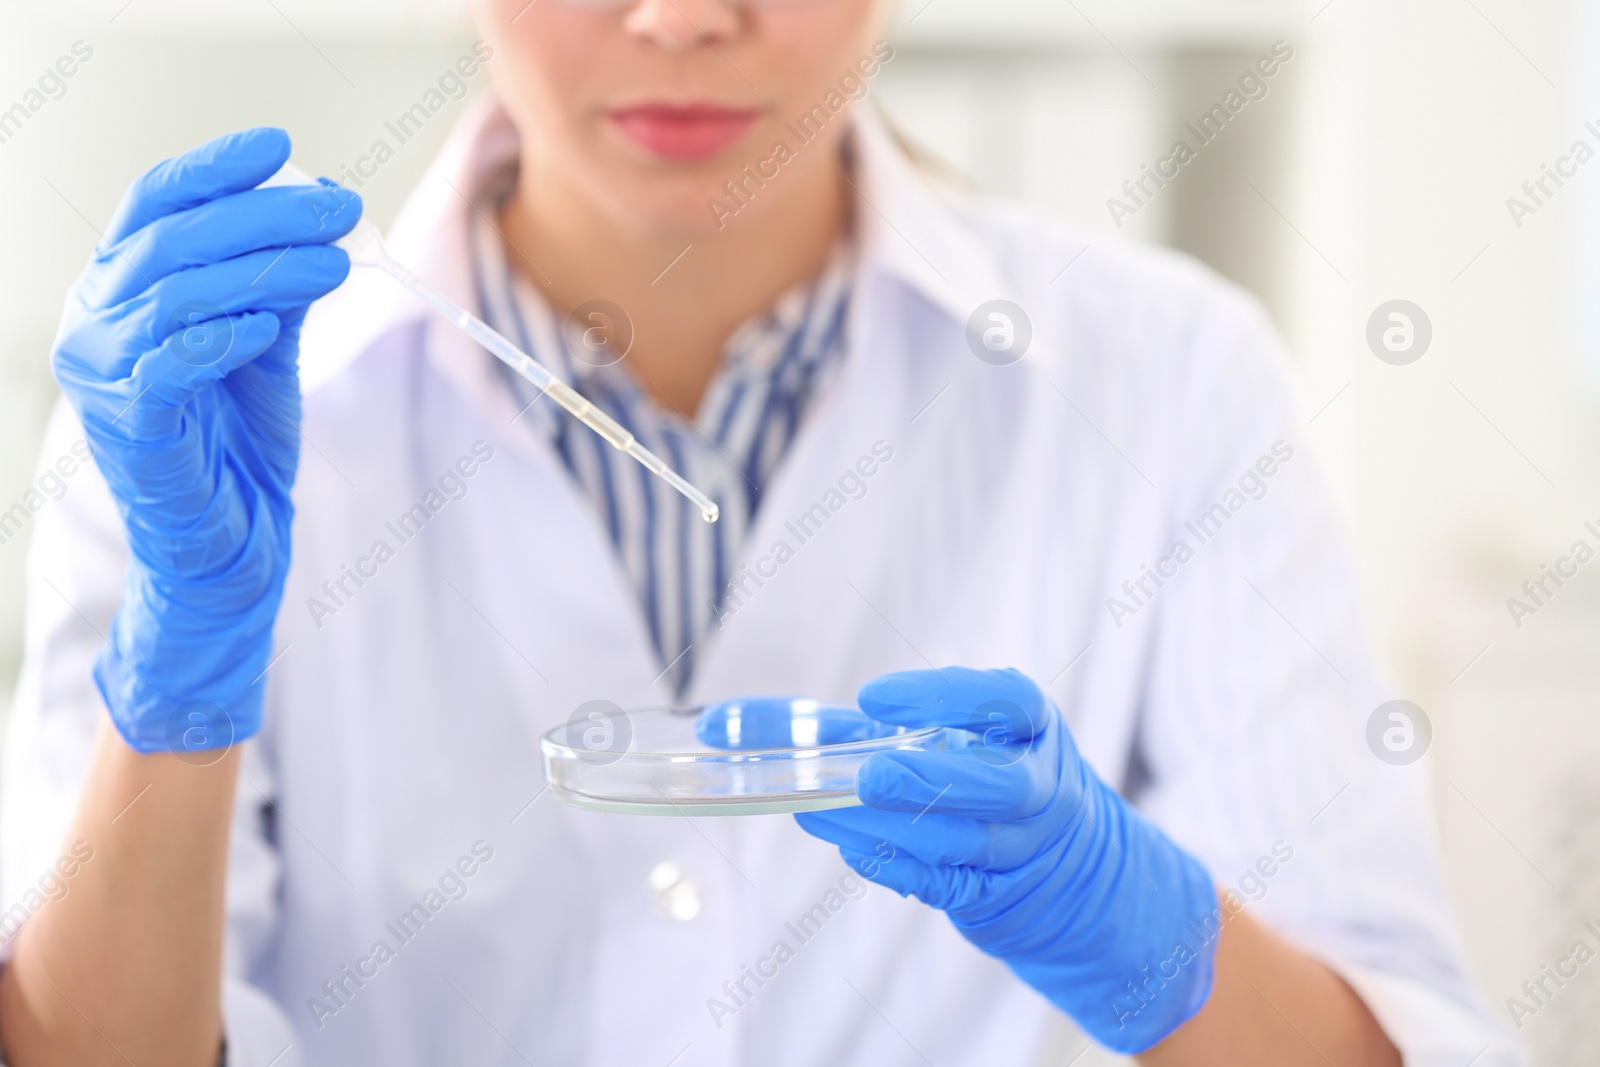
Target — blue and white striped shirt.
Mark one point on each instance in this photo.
(771, 369)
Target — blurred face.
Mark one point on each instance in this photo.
(649, 109)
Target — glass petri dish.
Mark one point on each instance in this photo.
(651, 762)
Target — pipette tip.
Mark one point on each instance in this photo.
(710, 514)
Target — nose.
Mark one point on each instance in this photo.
(679, 24)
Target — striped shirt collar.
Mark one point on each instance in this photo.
(771, 369)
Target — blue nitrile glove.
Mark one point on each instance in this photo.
(178, 350)
(1035, 859)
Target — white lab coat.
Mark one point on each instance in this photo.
(401, 731)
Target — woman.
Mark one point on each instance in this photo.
(1098, 483)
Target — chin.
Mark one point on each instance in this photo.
(677, 199)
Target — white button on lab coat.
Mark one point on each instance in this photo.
(404, 893)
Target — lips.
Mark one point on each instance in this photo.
(683, 131)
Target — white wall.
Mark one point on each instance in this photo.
(1464, 472)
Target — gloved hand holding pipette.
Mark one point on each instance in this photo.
(1035, 859)
(178, 350)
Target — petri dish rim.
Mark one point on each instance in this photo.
(775, 804)
(738, 755)
(622, 783)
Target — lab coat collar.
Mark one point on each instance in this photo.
(911, 230)
(910, 233)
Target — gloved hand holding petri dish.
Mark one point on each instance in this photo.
(971, 785)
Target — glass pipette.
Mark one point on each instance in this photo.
(366, 248)
(525, 365)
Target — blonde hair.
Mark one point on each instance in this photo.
(928, 163)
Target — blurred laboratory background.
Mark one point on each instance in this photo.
(1401, 151)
